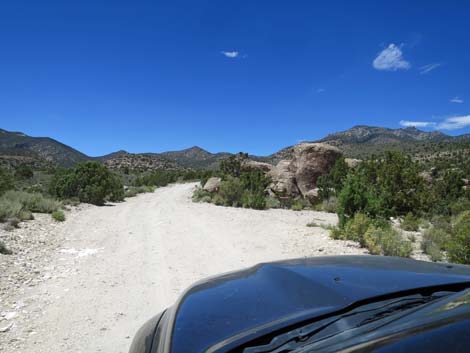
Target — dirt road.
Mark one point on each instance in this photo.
(118, 265)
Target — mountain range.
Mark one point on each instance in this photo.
(357, 142)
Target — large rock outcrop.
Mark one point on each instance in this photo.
(283, 180)
(212, 184)
(249, 164)
(299, 176)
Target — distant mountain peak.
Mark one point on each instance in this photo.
(382, 135)
(40, 148)
(197, 148)
(356, 142)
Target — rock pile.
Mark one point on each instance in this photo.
(298, 177)
(28, 265)
(293, 178)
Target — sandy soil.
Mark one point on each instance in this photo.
(116, 266)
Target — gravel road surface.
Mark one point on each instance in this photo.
(116, 266)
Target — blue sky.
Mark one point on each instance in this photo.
(251, 76)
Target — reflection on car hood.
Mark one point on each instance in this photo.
(277, 294)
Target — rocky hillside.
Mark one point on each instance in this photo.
(141, 162)
(357, 142)
(196, 157)
(362, 141)
(379, 135)
(40, 149)
(18, 148)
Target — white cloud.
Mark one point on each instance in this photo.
(320, 90)
(230, 54)
(407, 123)
(457, 100)
(428, 68)
(457, 122)
(453, 123)
(391, 59)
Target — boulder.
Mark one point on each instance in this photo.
(466, 184)
(249, 164)
(312, 196)
(426, 176)
(352, 162)
(283, 180)
(212, 184)
(311, 160)
(299, 176)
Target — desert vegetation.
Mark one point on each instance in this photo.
(25, 190)
(89, 182)
(161, 178)
(394, 185)
(384, 201)
(430, 200)
(237, 186)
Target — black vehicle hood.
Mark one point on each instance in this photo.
(213, 314)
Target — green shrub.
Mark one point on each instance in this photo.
(73, 201)
(297, 206)
(372, 240)
(232, 166)
(205, 199)
(9, 209)
(435, 238)
(161, 178)
(24, 171)
(433, 251)
(375, 235)
(201, 195)
(131, 192)
(255, 200)
(330, 205)
(459, 245)
(6, 181)
(313, 224)
(20, 205)
(355, 197)
(59, 216)
(218, 200)
(25, 215)
(410, 223)
(231, 192)
(390, 186)
(272, 202)
(386, 242)
(442, 222)
(394, 245)
(332, 183)
(91, 182)
(32, 202)
(357, 227)
(354, 229)
(241, 187)
(300, 204)
(147, 188)
(337, 233)
(460, 205)
(424, 223)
